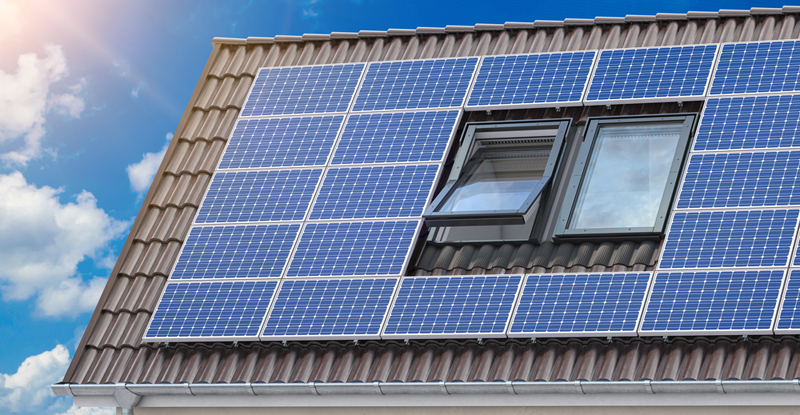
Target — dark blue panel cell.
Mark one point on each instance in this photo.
(395, 137)
(457, 306)
(789, 317)
(748, 238)
(252, 251)
(435, 83)
(374, 192)
(741, 180)
(670, 72)
(557, 78)
(205, 310)
(258, 196)
(353, 249)
(342, 307)
(746, 68)
(303, 90)
(749, 123)
(713, 301)
(281, 142)
(563, 304)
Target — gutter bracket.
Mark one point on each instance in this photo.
(579, 387)
(124, 397)
(719, 385)
(313, 386)
(648, 386)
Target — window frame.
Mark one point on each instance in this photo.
(578, 176)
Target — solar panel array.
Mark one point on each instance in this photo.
(758, 67)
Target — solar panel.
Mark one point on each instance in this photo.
(396, 137)
(651, 74)
(341, 308)
(741, 180)
(281, 142)
(353, 249)
(712, 302)
(220, 310)
(749, 123)
(549, 79)
(789, 314)
(746, 238)
(746, 68)
(241, 251)
(433, 83)
(258, 196)
(375, 192)
(303, 90)
(558, 305)
(453, 307)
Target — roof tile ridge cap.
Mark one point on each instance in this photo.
(229, 40)
(671, 16)
(791, 9)
(733, 13)
(255, 40)
(548, 23)
(518, 25)
(766, 10)
(489, 26)
(344, 35)
(401, 32)
(608, 20)
(702, 15)
(372, 33)
(578, 22)
(288, 38)
(315, 36)
(430, 30)
(459, 28)
(639, 18)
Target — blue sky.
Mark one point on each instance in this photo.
(91, 92)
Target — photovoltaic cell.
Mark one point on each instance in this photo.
(749, 123)
(375, 192)
(281, 142)
(259, 196)
(556, 78)
(453, 306)
(746, 68)
(241, 251)
(395, 137)
(741, 180)
(789, 315)
(353, 249)
(434, 83)
(713, 301)
(748, 238)
(303, 90)
(342, 307)
(198, 310)
(591, 304)
(651, 73)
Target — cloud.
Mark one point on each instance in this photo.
(26, 99)
(10, 21)
(42, 241)
(30, 387)
(74, 410)
(141, 173)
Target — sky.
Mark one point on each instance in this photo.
(91, 92)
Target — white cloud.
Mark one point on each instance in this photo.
(29, 388)
(141, 173)
(10, 22)
(74, 410)
(42, 241)
(26, 99)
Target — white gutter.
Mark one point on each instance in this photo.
(510, 393)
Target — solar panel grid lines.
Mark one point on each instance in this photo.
(210, 311)
(332, 308)
(713, 302)
(568, 305)
(452, 307)
(415, 84)
(788, 318)
(300, 90)
(531, 80)
(757, 68)
(660, 74)
(749, 123)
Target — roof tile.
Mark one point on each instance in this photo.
(167, 259)
(130, 260)
(223, 57)
(253, 61)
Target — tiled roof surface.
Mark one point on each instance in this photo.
(111, 349)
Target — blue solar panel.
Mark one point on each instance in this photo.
(375, 192)
(303, 90)
(553, 78)
(395, 137)
(281, 142)
(789, 315)
(741, 180)
(203, 310)
(652, 73)
(353, 249)
(259, 196)
(243, 251)
(453, 306)
(749, 123)
(713, 302)
(435, 83)
(591, 304)
(748, 238)
(746, 68)
(335, 308)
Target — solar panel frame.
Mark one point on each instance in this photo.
(714, 89)
(790, 297)
(587, 101)
(541, 104)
